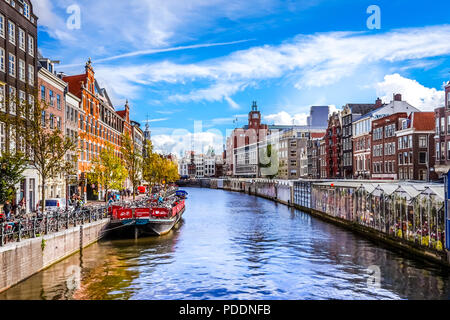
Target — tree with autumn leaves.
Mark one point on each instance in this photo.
(108, 170)
(157, 169)
(132, 158)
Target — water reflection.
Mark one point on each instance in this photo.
(235, 246)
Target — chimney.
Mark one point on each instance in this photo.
(397, 97)
(378, 103)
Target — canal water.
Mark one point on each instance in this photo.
(235, 246)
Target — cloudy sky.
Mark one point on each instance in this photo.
(180, 62)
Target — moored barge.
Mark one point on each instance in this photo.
(147, 217)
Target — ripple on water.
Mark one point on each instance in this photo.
(235, 246)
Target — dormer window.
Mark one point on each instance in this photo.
(26, 10)
(448, 99)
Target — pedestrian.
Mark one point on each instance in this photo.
(22, 207)
(7, 209)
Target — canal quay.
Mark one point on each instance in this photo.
(232, 245)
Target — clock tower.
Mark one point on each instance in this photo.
(254, 117)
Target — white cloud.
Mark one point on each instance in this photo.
(309, 61)
(419, 96)
(155, 120)
(182, 140)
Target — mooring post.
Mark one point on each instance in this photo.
(2, 234)
(19, 238)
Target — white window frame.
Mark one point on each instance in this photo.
(12, 32)
(31, 75)
(12, 100)
(12, 65)
(2, 60)
(22, 70)
(2, 26)
(2, 98)
(22, 39)
(31, 45)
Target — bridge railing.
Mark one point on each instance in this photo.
(19, 229)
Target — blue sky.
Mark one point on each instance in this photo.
(182, 61)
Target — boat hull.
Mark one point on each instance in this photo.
(144, 227)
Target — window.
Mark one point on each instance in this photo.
(30, 45)
(2, 99)
(21, 70)
(2, 59)
(423, 142)
(442, 125)
(442, 150)
(423, 157)
(12, 32)
(12, 65)
(52, 97)
(43, 119)
(30, 75)
(410, 141)
(12, 100)
(438, 151)
(437, 125)
(43, 93)
(448, 150)
(2, 25)
(2, 137)
(26, 10)
(58, 101)
(52, 121)
(31, 102)
(22, 39)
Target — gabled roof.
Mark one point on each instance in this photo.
(317, 135)
(422, 121)
(360, 108)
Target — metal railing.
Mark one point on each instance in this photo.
(19, 229)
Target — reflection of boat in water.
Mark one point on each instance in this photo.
(150, 216)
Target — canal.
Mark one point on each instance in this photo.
(235, 246)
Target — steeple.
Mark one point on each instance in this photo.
(147, 132)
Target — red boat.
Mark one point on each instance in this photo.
(152, 219)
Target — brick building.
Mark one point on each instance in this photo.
(333, 147)
(384, 146)
(242, 146)
(323, 158)
(18, 79)
(350, 113)
(98, 124)
(362, 132)
(416, 147)
(51, 93)
(442, 138)
(313, 154)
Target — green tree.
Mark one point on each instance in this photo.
(108, 170)
(132, 158)
(37, 134)
(12, 167)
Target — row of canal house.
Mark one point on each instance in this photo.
(77, 105)
(393, 141)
